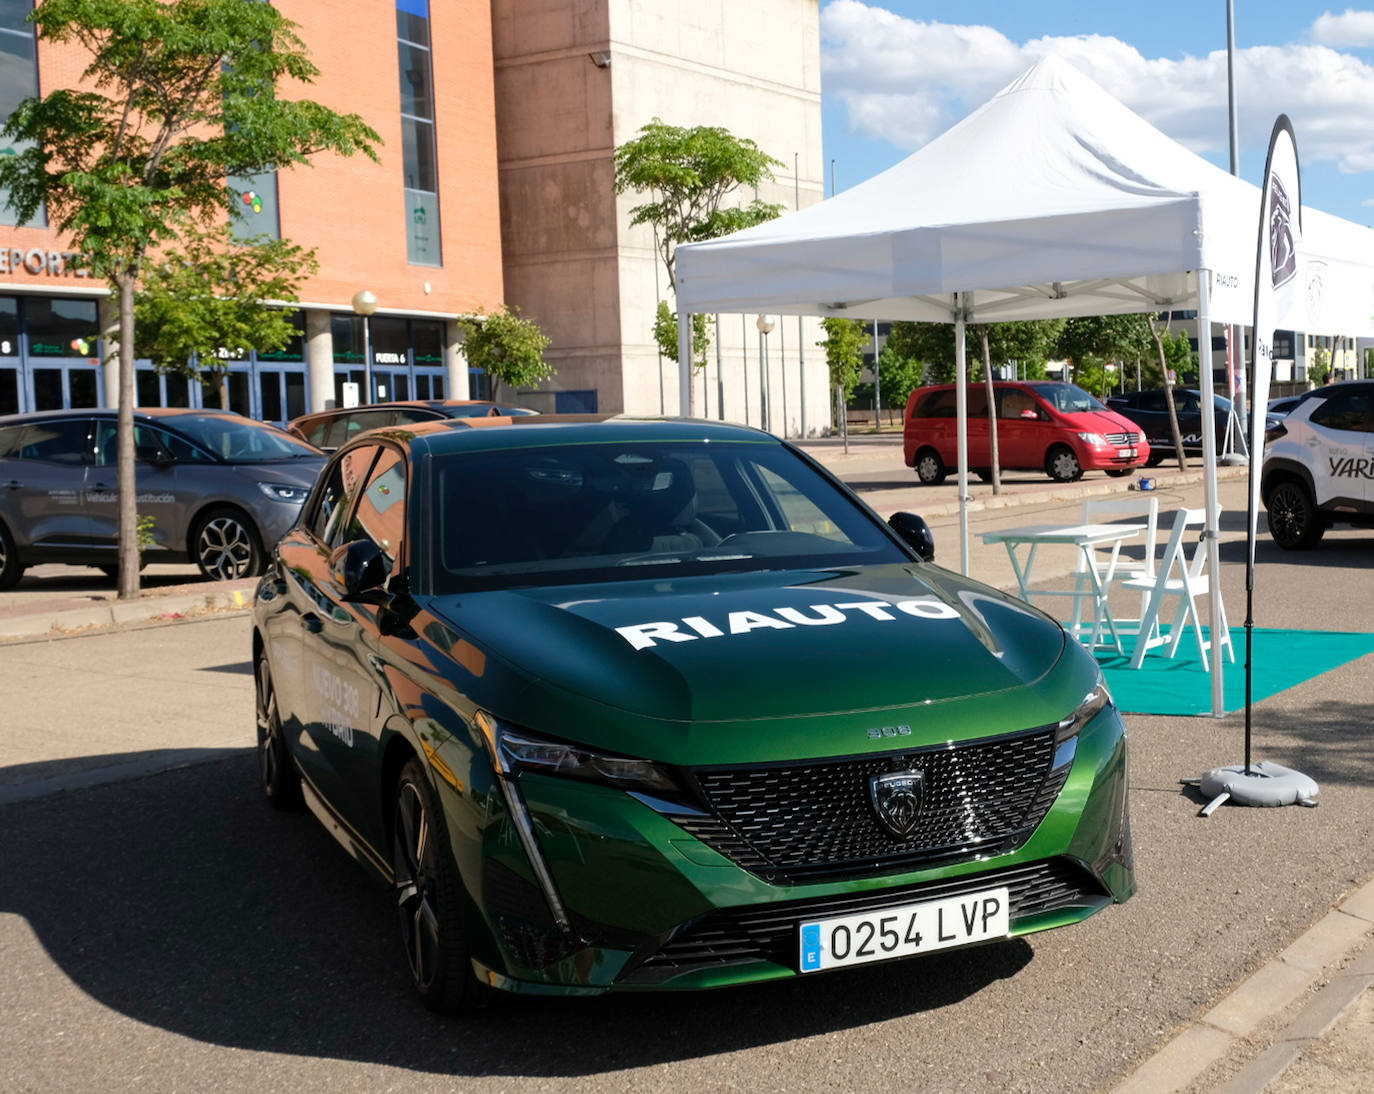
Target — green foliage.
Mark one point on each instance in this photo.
(509, 347)
(687, 173)
(146, 527)
(1183, 361)
(184, 95)
(1319, 367)
(844, 351)
(1029, 343)
(897, 376)
(665, 334)
(205, 302)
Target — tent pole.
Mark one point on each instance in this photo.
(961, 409)
(684, 362)
(1209, 463)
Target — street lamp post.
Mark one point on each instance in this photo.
(365, 304)
(765, 327)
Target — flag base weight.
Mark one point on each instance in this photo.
(1265, 784)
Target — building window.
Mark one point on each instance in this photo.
(417, 133)
(255, 211)
(61, 327)
(18, 81)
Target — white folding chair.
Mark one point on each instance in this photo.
(1111, 566)
(1186, 578)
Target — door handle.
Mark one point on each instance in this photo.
(14, 484)
(311, 622)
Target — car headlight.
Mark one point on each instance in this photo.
(1093, 704)
(516, 751)
(1096, 440)
(279, 492)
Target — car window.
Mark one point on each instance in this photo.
(363, 420)
(381, 510)
(598, 512)
(62, 441)
(1014, 403)
(340, 484)
(1067, 398)
(239, 440)
(408, 415)
(10, 441)
(1346, 410)
(938, 404)
(1153, 401)
(146, 437)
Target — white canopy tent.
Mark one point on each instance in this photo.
(1052, 199)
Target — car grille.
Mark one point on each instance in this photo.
(1123, 438)
(805, 822)
(735, 936)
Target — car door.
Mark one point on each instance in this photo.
(1341, 444)
(42, 474)
(342, 661)
(165, 494)
(1021, 428)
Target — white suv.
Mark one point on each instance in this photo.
(1319, 465)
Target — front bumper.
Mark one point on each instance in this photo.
(650, 906)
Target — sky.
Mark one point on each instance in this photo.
(897, 73)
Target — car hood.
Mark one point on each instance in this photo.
(765, 645)
(1103, 421)
(298, 472)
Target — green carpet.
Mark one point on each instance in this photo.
(1283, 659)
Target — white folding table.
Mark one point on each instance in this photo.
(1086, 538)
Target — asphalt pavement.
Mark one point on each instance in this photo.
(1287, 892)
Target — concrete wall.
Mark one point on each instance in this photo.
(571, 260)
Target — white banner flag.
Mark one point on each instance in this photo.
(1277, 268)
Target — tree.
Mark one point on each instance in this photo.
(1029, 343)
(1319, 369)
(898, 375)
(202, 307)
(1161, 340)
(665, 334)
(185, 97)
(508, 347)
(1091, 342)
(688, 174)
(844, 353)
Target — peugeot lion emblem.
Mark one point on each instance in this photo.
(897, 799)
(1283, 259)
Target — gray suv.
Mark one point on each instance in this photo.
(220, 489)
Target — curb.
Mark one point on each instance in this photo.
(119, 613)
(1277, 985)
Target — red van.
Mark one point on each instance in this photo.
(1040, 424)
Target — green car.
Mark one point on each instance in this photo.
(660, 704)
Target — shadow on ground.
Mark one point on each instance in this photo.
(182, 901)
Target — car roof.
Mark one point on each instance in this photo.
(553, 430)
(146, 412)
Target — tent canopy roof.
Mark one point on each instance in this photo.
(1052, 199)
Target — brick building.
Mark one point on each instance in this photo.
(494, 186)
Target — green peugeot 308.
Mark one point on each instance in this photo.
(649, 704)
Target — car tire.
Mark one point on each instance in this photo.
(11, 569)
(280, 780)
(930, 469)
(1294, 523)
(1061, 464)
(1154, 459)
(428, 897)
(225, 546)
(1120, 472)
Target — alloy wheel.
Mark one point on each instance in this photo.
(225, 549)
(416, 885)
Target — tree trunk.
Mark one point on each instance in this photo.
(992, 415)
(126, 477)
(1174, 433)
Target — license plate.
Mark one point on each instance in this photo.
(904, 930)
(1126, 453)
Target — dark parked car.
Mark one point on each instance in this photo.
(1149, 410)
(645, 704)
(329, 429)
(220, 489)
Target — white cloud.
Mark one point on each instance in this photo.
(1348, 31)
(906, 81)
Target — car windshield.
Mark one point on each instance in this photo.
(1067, 398)
(239, 440)
(577, 513)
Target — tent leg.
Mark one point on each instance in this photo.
(684, 363)
(961, 409)
(1216, 616)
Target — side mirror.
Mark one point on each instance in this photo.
(1031, 414)
(915, 533)
(359, 569)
